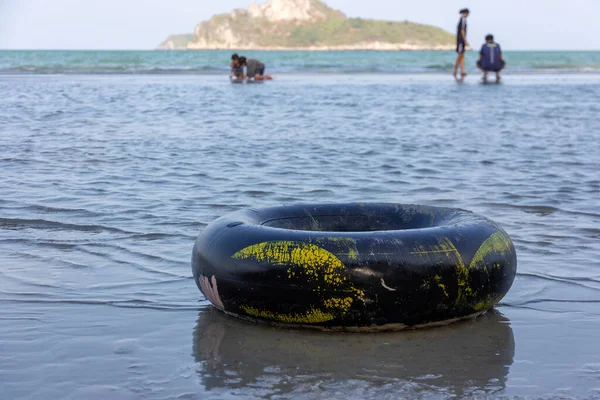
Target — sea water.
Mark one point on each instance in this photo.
(106, 179)
(284, 62)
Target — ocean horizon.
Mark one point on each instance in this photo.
(215, 62)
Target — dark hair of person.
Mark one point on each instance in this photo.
(464, 10)
(242, 60)
(489, 37)
(234, 57)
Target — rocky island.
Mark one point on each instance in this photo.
(306, 25)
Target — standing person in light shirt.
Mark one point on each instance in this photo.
(461, 44)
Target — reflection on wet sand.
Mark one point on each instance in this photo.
(468, 358)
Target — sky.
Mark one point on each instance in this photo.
(143, 24)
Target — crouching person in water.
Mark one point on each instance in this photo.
(490, 58)
(254, 69)
(237, 72)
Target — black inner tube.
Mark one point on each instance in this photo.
(346, 223)
(368, 218)
(349, 265)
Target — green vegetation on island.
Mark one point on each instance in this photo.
(307, 24)
(348, 31)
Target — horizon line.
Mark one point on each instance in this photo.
(284, 50)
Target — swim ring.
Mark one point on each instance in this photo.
(357, 267)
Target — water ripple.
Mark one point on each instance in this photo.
(107, 180)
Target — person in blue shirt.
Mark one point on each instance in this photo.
(490, 58)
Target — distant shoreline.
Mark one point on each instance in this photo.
(319, 49)
(362, 46)
(294, 49)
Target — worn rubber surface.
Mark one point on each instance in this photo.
(354, 265)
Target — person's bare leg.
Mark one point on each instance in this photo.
(262, 77)
(457, 65)
(485, 73)
(498, 78)
(462, 65)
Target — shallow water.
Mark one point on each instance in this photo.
(284, 62)
(105, 181)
